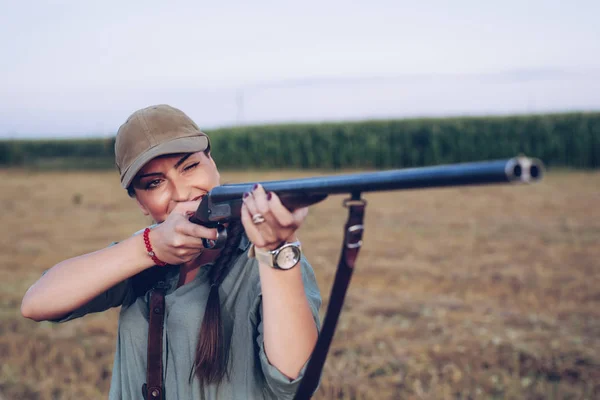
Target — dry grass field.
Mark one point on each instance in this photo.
(459, 293)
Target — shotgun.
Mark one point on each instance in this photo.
(223, 204)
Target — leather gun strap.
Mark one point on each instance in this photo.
(154, 371)
(351, 246)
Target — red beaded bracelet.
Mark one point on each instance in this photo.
(149, 249)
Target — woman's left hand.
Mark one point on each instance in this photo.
(277, 224)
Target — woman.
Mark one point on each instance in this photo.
(234, 327)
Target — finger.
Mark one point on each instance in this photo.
(263, 207)
(248, 201)
(299, 215)
(196, 231)
(251, 229)
(260, 199)
(253, 209)
(186, 207)
(180, 241)
(270, 231)
(269, 228)
(280, 213)
(194, 245)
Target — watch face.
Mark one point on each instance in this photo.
(288, 257)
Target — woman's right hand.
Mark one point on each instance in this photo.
(76, 281)
(177, 240)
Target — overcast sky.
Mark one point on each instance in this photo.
(70, 68)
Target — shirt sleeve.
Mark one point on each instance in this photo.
(113, 297)
(278, 383)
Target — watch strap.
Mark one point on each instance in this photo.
(265, 257)
(268, 256)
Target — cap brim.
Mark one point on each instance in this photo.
(190, 144)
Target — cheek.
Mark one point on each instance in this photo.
(162, 201)
(206, 179)
(157, 203)
(216, 179)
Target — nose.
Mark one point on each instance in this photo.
(181, 192)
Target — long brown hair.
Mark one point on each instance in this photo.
(212, 353)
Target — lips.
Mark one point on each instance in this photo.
(199, 197)
(190, 213)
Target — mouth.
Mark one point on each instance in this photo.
(199, 197)
(190, 213)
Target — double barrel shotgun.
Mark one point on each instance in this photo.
(223, 204)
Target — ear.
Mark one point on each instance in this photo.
(143, 207)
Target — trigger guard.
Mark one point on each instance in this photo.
(219, 242)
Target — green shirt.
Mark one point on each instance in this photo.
(251, 376)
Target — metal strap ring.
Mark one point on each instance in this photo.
(351, 202)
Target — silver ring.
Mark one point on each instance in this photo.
(258, 219)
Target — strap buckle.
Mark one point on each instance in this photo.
(354, 236)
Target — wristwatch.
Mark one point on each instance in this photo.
(284, 257)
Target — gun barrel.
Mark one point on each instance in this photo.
(514, 170)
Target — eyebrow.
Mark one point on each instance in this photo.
(182, 160)
(177, 164)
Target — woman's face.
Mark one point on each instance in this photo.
(168, 180)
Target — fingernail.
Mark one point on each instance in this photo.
(246, 194)
(255, 186)
(269, 195)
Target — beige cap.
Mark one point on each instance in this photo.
(151, 132)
